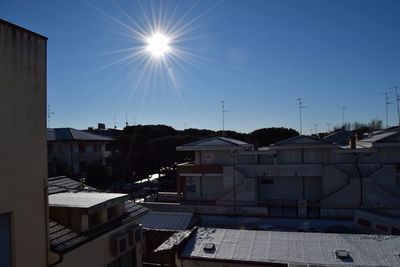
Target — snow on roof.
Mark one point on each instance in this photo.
(83, 199)
(213, 143)
(293, 247)
(175, 221)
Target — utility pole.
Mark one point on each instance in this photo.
(223, 115)
(387, 103)
(300, 102)
(343, 109)
(397, 101)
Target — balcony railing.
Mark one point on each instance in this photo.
(191, 168)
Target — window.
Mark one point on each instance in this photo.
(5, 240)
(82, 148)
(95, 148)
(191, 188)
(94, 219)
(112, 212)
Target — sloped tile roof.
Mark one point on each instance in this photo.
(63, 239)
(339, 137)
(70, 134)
(302, 140)
(216, 142)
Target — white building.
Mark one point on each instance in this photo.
(74, 151)
(92, 228)
(297, 177)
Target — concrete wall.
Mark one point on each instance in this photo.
(96, 253)
(23, 165)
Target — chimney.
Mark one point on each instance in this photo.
(352, 141)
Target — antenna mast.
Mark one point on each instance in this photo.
(223, 115)
(343, 109)
(397, 101)
(115, 122)
(126, 119)
(387, 103)
(300, 102)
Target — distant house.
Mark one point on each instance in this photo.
(71, 151)
(92, 228)
(298, 177)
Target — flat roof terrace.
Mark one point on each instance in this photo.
(86, 200)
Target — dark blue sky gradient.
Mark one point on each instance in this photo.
(258, 56)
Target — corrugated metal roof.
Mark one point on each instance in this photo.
(390, 136)
(302, 140)
(174, 221)
(293, 247)
(70, 134)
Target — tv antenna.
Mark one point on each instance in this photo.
(49, 114)
(387, 103)
(223, 115)
(300, 102)
(397, 101)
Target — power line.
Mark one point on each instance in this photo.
(397, 101)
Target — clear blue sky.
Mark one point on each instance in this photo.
(257, 56)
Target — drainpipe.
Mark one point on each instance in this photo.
(361, 180)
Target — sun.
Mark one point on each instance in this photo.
(158, 45)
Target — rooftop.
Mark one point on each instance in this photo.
(302, 140)
(70, 134)
(263, 247)
(215, 143)
(63, 239)
(174, 221)
(83, 199)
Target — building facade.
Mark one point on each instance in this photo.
(23, 172)
(72, 151)
(92, 228)
(297, 177)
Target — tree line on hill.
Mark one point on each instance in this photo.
(144, 149)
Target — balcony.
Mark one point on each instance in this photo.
(93, 155)
(199, 169)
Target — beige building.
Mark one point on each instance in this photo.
(92, 228)
(71, 151)
(23, 170)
